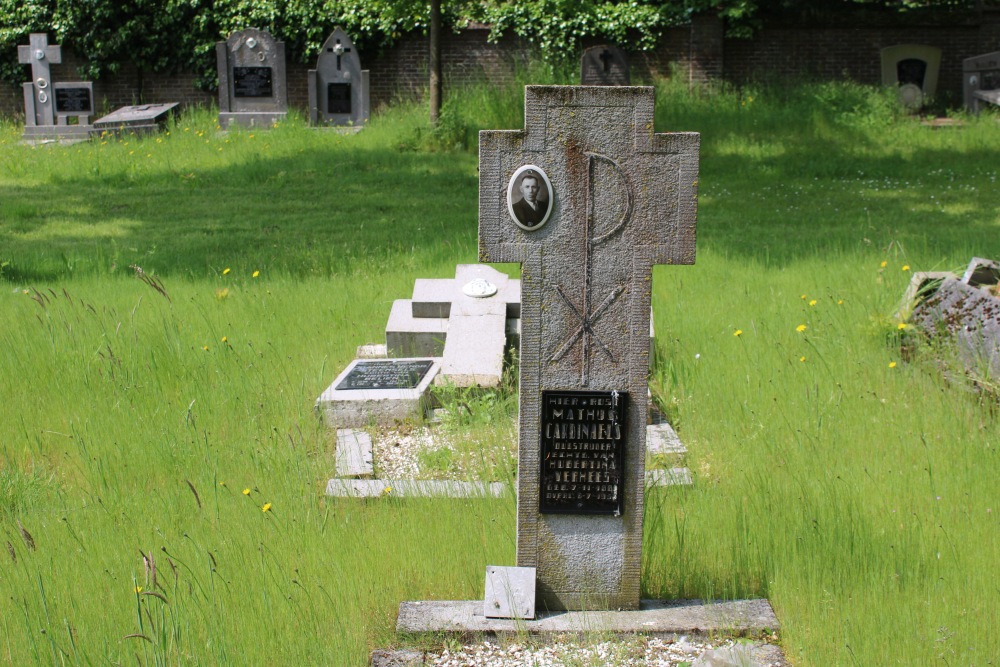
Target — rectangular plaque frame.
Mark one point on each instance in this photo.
(338, 98)
(386, 374)
(583, 452)
(73, 100)
(252, 82)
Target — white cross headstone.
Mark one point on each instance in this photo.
(617, 198)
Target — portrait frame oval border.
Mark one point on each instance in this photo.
(510, 196)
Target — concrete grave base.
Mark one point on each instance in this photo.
(660, 618)
(256, 119)
(348, 408)
(64, 134)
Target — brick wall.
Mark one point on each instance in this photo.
(699, 52)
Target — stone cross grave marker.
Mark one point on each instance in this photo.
(619, 198)
(604, 65)
(338, 87)
(252, 84)
(48, 105)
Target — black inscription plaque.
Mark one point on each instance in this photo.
(73, 100)
(386, 374)
(252, 82)
(583, 452)
(338, 98)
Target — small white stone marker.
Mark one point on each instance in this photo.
(510, 592)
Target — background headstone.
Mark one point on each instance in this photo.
(981, 80)
(138, 119)
(604, 65)
(252, 83)
(49, 106)
(624, 199)
(338, 87)
(914, 68)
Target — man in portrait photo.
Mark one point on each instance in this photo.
(530, 210)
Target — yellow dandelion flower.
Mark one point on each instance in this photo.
(802, 359)
(256, 273)
(738, 332)
(801, 328)
(840, 302)
(901, 326)
(803, 297)
(225, 271)
(906, 267)
(266, 507)
(813, 302)
(883, 264)
(138, 589)
(205, 347)
(225, 339)
(222, 483)
(892, 364)
(246, 492)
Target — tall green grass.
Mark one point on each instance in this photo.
(856, 491)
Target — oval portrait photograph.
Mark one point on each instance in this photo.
(529, 197)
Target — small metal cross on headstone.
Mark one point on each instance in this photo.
(621, 199)
(340, 50)
(40, 56)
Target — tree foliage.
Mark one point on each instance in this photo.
(180, 35)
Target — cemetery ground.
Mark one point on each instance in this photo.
(161, 488)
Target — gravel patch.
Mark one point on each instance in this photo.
(640, 652)
(395, 453)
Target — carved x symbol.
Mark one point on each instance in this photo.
(587, 320)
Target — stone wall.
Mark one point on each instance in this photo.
(699, 52)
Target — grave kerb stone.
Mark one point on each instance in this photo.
(354, 453)
(623, 200)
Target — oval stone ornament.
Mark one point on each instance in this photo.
(525, 179)
(479, 288)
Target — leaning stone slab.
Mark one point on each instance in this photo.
(406, 335)
(379, 391)
(425, 488)
(968, 316)
(139, 119)
(354, 453)
(981, 272)
(653, 617)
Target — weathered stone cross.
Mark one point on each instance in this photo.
(40, 56)
(621, 199)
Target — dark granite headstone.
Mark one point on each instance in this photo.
(604, 65)
(338, 87)
(252, 83)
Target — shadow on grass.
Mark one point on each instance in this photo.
(319, 212)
